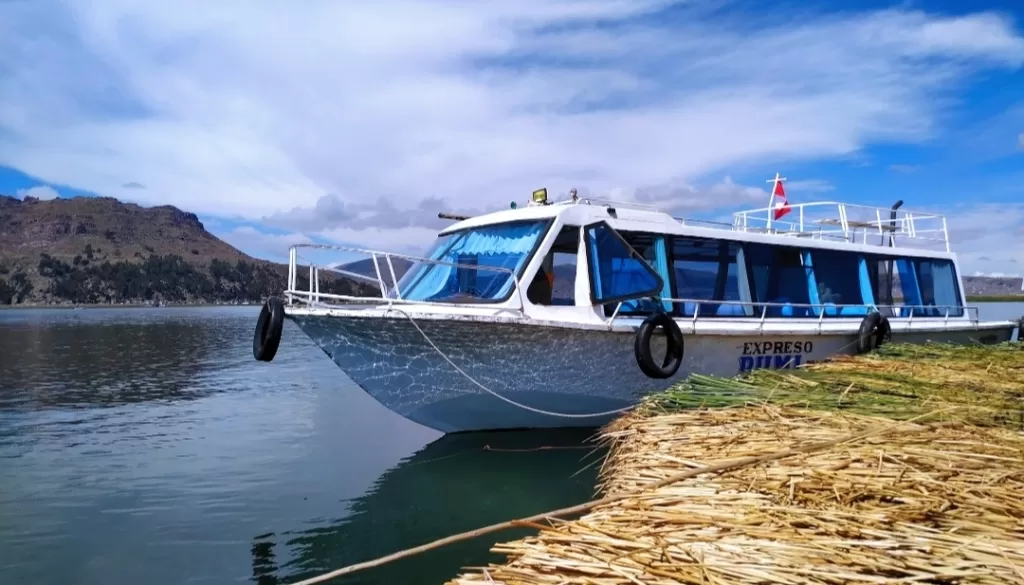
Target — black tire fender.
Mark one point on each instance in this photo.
(642, 346)
(874, 332)
(267, 337)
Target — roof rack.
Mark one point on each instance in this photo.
(862, 224)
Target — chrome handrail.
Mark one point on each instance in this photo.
(907, 225)
(819, 308)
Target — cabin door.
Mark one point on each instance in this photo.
(621, 277)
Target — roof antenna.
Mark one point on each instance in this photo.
(452, 216)
(889, 281)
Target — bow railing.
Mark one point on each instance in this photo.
(384, 274)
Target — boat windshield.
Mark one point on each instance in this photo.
(471, 257)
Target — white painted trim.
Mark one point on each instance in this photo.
(708, 326)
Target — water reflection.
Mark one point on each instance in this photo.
(159, 468)
(454, 484)
(85, 364)
(85, 359)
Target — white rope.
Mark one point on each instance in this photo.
(492, 392)
(524, 406)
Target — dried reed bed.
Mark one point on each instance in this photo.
(932, 502)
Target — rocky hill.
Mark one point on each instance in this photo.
(992, 286)
(100, 250)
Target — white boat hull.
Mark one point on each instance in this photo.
(517, 375)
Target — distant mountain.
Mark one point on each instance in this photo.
(993, 286)
(101, 250)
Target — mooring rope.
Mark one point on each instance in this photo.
(492, 392)
(519, 404)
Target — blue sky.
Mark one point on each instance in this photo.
(327, 121)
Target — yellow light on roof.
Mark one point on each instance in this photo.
(540, 196)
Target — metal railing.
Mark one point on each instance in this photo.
(618, 204)
(862, 224)
(383, 264)
(949, 312)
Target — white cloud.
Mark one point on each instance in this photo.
(995, 274)
(987, 238)
(261, 244)
(809, 186)
(42, 192)
(409, 240)
(255, 108)
(682, 198)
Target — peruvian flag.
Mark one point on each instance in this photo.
(781, 207)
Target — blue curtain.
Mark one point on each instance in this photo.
(595, 263)
(661, 265)
(867, 293)
(496, 246)
(945, 286)
(908, 282)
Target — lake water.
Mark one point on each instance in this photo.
(147, 446)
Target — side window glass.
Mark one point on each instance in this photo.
(939, 291)
(708, 270)
(617, 272)
(555, 280)
(782, 279)
(654, 250)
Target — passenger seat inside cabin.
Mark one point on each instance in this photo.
(540, 290)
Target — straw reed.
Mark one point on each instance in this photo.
(985, 383)
(936, 502)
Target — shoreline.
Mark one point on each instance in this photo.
(996, 299)
(127, 306)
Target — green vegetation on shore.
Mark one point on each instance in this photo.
(995, 298)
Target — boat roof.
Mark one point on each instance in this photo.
(820, 222)
(582, 212)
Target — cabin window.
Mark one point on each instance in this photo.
(879, 270)
(653, 248)
(471, 257)
(555, 281)
(929, 287)
(843, 282)
(880, 274)
(617, 271)
(709, 270)
(782, 279)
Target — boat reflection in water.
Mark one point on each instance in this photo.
(457, 483)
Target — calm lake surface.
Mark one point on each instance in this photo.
(147, 446)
